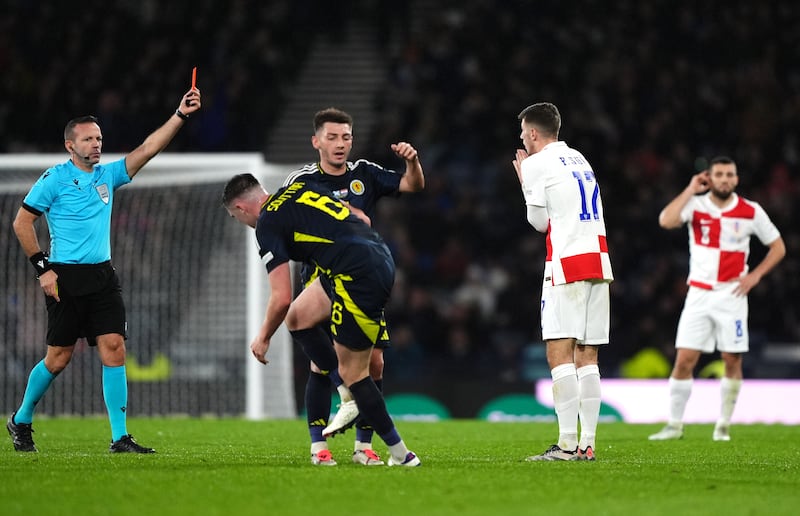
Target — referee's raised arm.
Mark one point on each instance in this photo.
(160, 138)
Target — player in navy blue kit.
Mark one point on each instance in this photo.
(360, 185)
(303, 222)
(83, 293)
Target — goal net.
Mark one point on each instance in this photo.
(194, 289)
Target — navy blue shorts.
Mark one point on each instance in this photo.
(308, 274)
(357, 304)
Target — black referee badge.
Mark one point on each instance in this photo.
(103, 191)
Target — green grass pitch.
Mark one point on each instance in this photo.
(469, 467)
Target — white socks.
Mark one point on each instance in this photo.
(589, 407)
(565, 399)
(399, 451)
(729, 393)
(679, 392)
(318, 446)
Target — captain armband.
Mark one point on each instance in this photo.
(40, 262)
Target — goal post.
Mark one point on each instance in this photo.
(194, 288)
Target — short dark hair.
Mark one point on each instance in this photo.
(331, 114)
(237, 185)
(544, 116)
(69, 130)
(721, 160)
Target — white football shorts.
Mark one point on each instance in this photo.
(579, 310)
(714, 319)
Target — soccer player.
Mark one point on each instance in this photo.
(714, 314)
(83, 293)
(305, 223)
(360, 185)
(563, 200)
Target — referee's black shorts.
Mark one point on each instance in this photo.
(91, 304)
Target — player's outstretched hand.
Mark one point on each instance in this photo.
(405, 150)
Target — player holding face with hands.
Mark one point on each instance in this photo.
(563, 200)
(715, 312)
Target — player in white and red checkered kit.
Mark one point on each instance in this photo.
(563, 200)
(714, 315)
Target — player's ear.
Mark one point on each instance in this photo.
(315, 142)
(68, 145)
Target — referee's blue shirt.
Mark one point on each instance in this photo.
(77, 206)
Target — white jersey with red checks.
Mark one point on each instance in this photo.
(561, 179)
(719, 238)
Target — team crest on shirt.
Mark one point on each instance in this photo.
(102, 190)
(357, 187)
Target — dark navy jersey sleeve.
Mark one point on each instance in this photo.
(271, 243)
(384, 181)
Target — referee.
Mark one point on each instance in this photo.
(83, 293)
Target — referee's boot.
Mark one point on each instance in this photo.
(21, 435)
(126, 444)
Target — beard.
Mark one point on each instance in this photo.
(722, 195)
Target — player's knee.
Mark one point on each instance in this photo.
(684, 368)
(57, 359)
(111, 348)
(292, 320)
(733, 364)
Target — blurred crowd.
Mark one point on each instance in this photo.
(647, 90)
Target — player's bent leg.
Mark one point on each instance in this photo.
(316, 345)
(310, 308)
